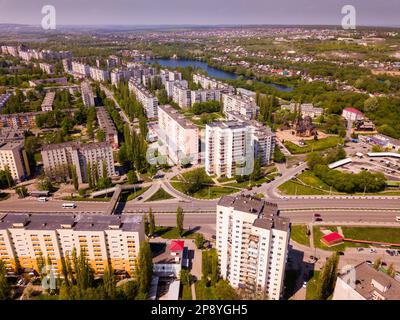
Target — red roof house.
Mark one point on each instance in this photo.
(332, 239)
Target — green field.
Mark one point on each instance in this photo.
(86, 199)
(341, 247)
(203, 292)
(161, 194)
(209, 192)
(306, 184)
(172, 233)
(186, 292)
(313, 145)
(129, 195)
(299, 235)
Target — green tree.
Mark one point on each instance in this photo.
(10, 180)
(257, 172)
(22, 192)
(132, 177)
(224, 291)
(75, 181)
(214, 267)
(144, 269)
(89, 177)
(152, 224)
(199, 241)
(185, 277)
(377, 263)
(327, 277)
(391, 270)
(109, 283)
(100, 135)
(179, 220)
(5, 287)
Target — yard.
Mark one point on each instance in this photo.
(313, 145)
(311, 292)
(172, 233)
(299, 235)
(161, 194)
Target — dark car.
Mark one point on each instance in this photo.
(340, 253)
(383, 264)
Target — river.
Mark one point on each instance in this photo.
(211, 71)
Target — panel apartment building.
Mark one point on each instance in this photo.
(87, 94)
(252, 244)
(105, 240)
(179, 136)
(233, 142)
(242, 105)
(181, 95)
(148, 100)
(13, 157)
(57, 158)
(107, 125)
(47, 104)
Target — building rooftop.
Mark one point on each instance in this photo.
(179, 118)
(76, 145)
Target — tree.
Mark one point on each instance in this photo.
(5, 288)
(75, 181)
(146, 225)
(144, 269)
(152, 224)
(214, 267)
(179, 220)
(377, 263)
(327, 277)
(109, 283)
(391, 270)
(185, 277)
(132, 177)
(224, 291)
(45, 185)
(257, 173)
(89, 175)
(10, 180)
(205, 265)
(22, 192)
(199, 241)
(279, 157)
(100, 135)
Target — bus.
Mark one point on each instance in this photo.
(69, 205)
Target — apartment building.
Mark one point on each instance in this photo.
(46, 67)
(80, 69)
(114, 240)
(3, 99)
(212, 84)
(13, 157)
(169, 86)
(98, 74)
(181, 95)
(198, 96)
(228, 146)
(179, 136)
(252, 244)
(47, 104)
(87, 94)
(107, 125)
(145, 97)
(305, 109)
(363, 282)
(263, 141)
(26, 120)
(11, 50)
(242, 105)
(57, 158)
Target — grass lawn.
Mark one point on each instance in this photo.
(299, 234)
(86, 199)
(312, 286)
(172, 233)
(314, 145)
(208, 192)
(295, 188)
(186, 292)
(131, 195)
(341, 247)
(203, 292)
(4, 196)
(161, 194)
(373, 233)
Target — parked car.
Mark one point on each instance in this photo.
(304, 284)
(340, 253)
(360, 249)
(368, 261)
(372, 250)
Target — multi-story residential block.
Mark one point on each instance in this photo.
(305, 109)
(181, 95)
(87, 94)
(145, 97)
(47, 104)
(169, 86)
(252, 244)
(58, 81)
(107, 125)
(98, 74)
(363, 282)
(58, 158)
(352, 114)
(105, 240)
(67, 65)
(242, 105)
(209, 83)
(26, 120)
(3, 99)
(263, 141)
(113, 61)
(13, 157)
(80, 69)
(179, 136)
(198, 96)
(228, 144)
(46, 67)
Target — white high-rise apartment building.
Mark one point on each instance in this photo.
(87, 94)
(145, 97)
(98, 74)
(252, 244)
(169, 86)
(47, 67)
(179, 135)
(181, 95)
(57, 158)
(210, 83)
(113, 240)
(227, 146)
(13, 157)
(198, 96)
(242, 105)
(80, 69)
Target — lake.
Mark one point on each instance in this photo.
(211, 71)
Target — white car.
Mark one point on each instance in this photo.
(304, 284)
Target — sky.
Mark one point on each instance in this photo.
(201, 12)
